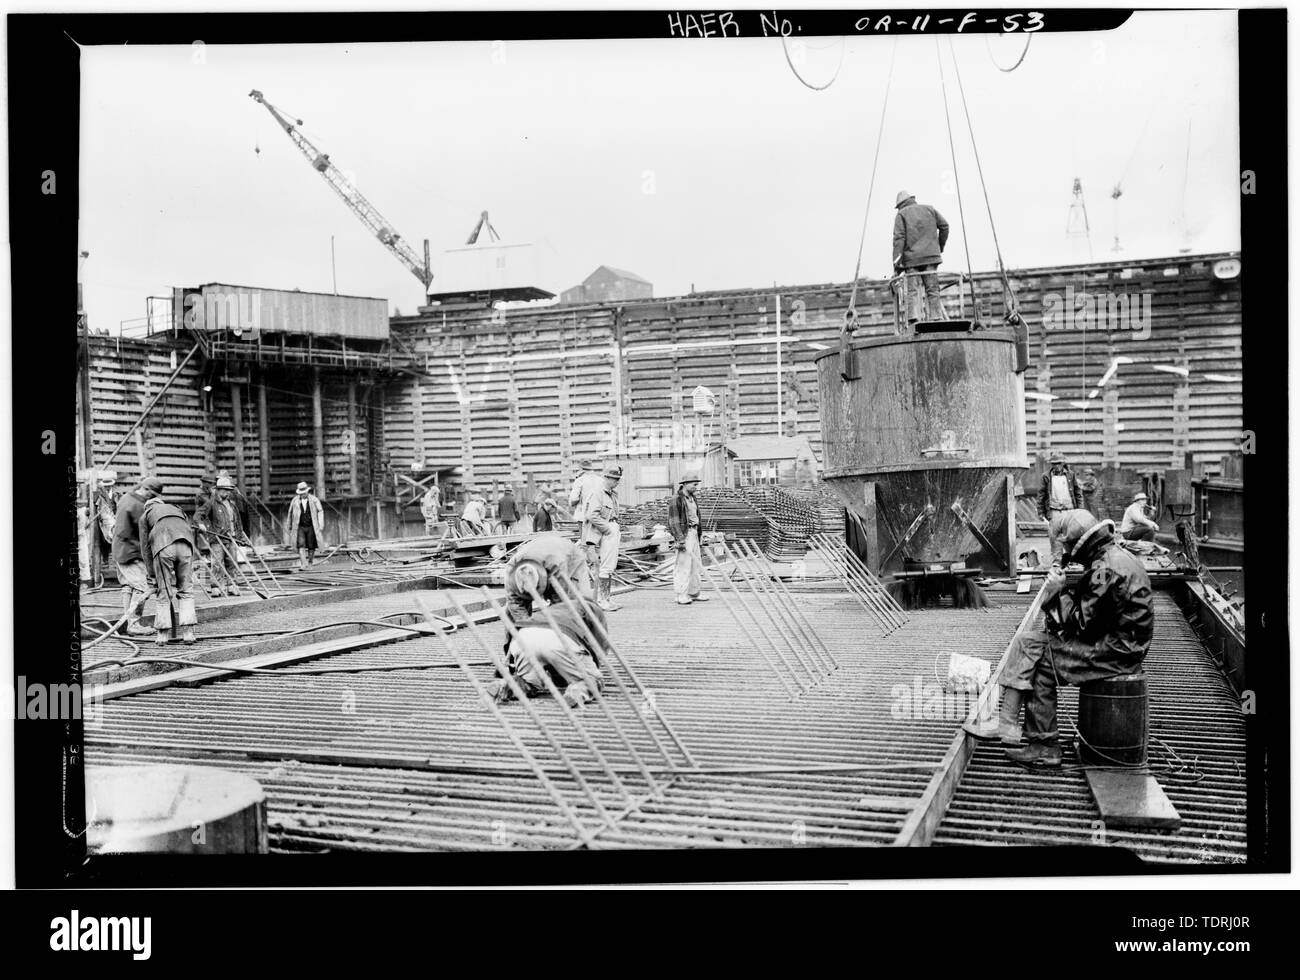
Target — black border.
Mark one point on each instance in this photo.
(44, 103)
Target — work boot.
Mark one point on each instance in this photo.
(1037, 755)
(188, 635)
(604, 601)
(161, 638)
(684, 602)
(1009, 717)
(136, 628)
(302, 559)
(699, 598)
(233, 590)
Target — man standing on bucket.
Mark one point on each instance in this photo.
(306, 524)
(684, 526)
(1100, 627)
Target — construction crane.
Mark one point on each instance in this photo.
(483, 222)
(353, 198)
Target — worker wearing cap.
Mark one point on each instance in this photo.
(306, 524)
(104, 515)
(600, 532)
(544, 519)
(132, 571)
(507, 510)
(1136, 526)
(550, 565)
(587, 480)
(920, 234)
(167, 547)
(684, 526)
(1097, 628)
(220, 521)
(1057, 493)
(430, 504)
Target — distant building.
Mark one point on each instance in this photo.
(759, 461)
(609, 285)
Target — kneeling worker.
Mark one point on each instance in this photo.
(555, 641)
(167, 547)
(1100, 627)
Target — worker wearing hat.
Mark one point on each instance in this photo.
(600, 533)
(306, 524)
(132, 571)
(1057, 493)
(167, 546)
(588, 480)
(1097, 628)
(550, 565)
(104, 516)
(1135, 525)
(920, 234)
(220, 521)
(507, 510)
(684, 526)
(544, 519)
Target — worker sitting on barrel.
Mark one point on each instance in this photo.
(1098, 628)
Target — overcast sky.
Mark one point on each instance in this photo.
(698, 163)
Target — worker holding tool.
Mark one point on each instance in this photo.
(601, 535)
(559, 642)
(684, 526)
(474, 517)
(544, 564)
(1136, 526)
(1057, 493)
(306, 524)
(132, 571)
(1097, 628)
(920, 234)
(167, 547)
(220, 522)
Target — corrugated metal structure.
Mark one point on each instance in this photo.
(529, 391)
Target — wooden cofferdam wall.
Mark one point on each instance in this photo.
(191, 431)
(527, 392)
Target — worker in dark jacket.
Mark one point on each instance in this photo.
(1100, 627)
(544, 519)
(556, 641)
(544, 564)
(507, 511)
(920, 234)
(684, 526)
(220, 521)
(132, 571)
(1058, 492)
(167, 546)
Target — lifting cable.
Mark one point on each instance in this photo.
(989, 48)
(851, 314)
(952, 147)
(816, 88)
(1010, 299)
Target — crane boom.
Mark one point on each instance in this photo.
(352, 197)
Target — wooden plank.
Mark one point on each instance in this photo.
(1131, 798)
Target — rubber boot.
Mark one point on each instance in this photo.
(302, 558)
(1009, 717)
(186, 618)
(133, 625)
(605, 602)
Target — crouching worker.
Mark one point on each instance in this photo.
(556, 643)
(167, 547)
(551, 566)
(1100, 627)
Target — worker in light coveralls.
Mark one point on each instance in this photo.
(684, 526)
(587, 480)
(563, 642)
(600, 533)
(1100, 627)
